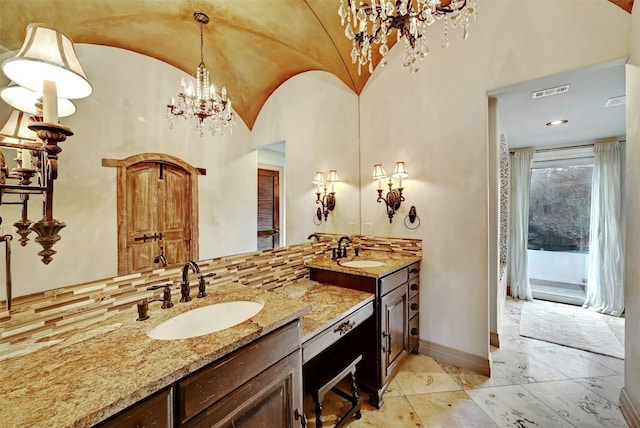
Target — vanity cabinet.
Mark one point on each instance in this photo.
(259, 384)
(155, 411)
(386, 338)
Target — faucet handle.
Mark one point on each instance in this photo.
(202, 285)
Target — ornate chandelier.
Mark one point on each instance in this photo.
(372, 23)
(202, 104)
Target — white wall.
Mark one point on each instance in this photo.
(436, 120)
(632, 272)
(317, 116)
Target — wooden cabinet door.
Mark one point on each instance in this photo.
(394, 329)
(158, 207)
(268, 400)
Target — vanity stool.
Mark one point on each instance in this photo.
(323, 374)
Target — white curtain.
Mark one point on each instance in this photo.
(518, 264)
(605, 289)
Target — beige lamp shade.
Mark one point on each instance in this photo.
(16, 130)
(48, 54)
(333, 176)
(378, 172)
(25, 100)
(318, 178)
(400, 171)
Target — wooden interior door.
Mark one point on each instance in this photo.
(158, 205)
(268, 209)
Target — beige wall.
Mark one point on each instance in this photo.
(317, 116)
(632, 272)
(437, 121)
(125, 116)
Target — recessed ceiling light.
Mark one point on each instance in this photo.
(557, 122)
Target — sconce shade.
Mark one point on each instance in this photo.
(333, 176)
(400, 171)
(378, 172)
(48, 54)
(25, 99)
(318, 178)
(15, 130)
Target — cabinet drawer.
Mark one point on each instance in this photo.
(207, 386)
(322, 340)
(414, 270)
(414, 306)
(393, 281)
(414, 288)
(155, 411)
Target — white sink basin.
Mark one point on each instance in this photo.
(362, 263)
(205, 320)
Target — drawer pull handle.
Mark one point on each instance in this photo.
(414, 306)
(414, 287)
(414, 331)
(345, 327)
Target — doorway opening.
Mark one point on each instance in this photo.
(559, 220)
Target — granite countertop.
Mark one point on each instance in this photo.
(392, 262)
(95, 372)
(330, 303)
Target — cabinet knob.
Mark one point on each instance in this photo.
(414, 287)
(414, 306)
(414, 331)
(413, 271)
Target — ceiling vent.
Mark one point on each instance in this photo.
(616, 101)
(551, 91)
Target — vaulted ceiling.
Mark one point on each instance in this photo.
(250, 46)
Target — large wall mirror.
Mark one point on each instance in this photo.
(125, 116)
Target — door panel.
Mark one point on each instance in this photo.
(142, 199)
(175, 213)
(268, 209)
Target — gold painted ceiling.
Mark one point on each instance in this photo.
(250, 46)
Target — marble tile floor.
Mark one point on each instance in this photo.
(533, 384)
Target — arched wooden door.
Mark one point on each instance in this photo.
(157, 211)
(158, 219)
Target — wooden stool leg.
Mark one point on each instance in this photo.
(354, 394)
(316, 400)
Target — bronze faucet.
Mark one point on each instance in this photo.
(185, 289)
(143, 305)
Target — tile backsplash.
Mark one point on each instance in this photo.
(42, 315)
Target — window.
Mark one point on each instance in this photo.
(559, 208)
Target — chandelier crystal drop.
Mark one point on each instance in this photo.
(202, 104)
(371, 23)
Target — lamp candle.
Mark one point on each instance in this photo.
(400, 182)
(26, 159)
(49, 102)
(172, 102)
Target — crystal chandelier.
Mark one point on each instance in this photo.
(202, 104)
(372, 23)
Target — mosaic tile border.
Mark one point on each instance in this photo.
(40, 316)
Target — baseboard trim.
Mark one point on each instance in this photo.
(494, 339)
(456, 357)
(630, 413)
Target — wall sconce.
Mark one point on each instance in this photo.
(46, 64)
(326, 200)
(394, 197)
